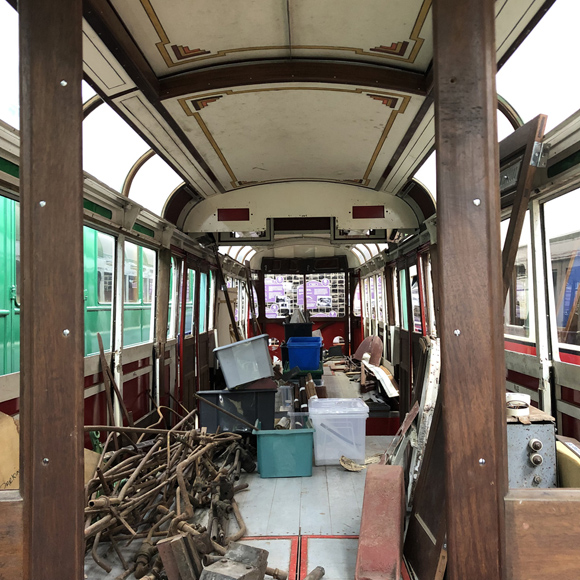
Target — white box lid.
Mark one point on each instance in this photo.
(337, 407)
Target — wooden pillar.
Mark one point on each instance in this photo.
(470, 284)
(162, 317)
(52, 327)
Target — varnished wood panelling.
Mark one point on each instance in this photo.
(543, 534)
(10, 535)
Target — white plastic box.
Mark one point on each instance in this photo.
(245, 361)
(340, 428)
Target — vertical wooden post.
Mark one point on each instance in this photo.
(162, 317)
(52, 325)
(470, 284)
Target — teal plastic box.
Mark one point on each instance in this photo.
(285, 453)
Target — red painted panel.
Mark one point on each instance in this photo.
(570, 358)
(92, 380)
(368, 212)
(11, 407)
(519, 347)
(570, 426)
(95, 414)
(571, 396)
(136, 396)
(382, 425)
(136, 365)
(241, 214)
(523, 380)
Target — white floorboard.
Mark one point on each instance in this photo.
(336, 556)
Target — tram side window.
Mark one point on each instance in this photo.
(415, 299)
(99, 264)
(212, 290)
(403, 295)
(395, 287)
(148, 275)
(131, 286)
(356, 302)
(202, 302)
(380, 299)
(17, 250)
(563, 232)
(189, 301)
(518, 308)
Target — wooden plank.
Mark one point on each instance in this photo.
(52, 265)
(162, 317)
(531, 132)
(470, 324)
(543, 534)
(10, 535)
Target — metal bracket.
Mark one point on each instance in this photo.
(539, 156)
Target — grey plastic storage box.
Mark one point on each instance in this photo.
(249, 404)
(245, 361)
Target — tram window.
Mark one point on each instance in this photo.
(202, 302)
(563, 232)
(415, 299)
(17, 251)
(325, 295)
(373, 299)
(171, 305)
(283, 294)
(212, 291)
(403, 295)
(131, 294)
(105, 260)
(148, 275)
(189, 301)
(518, 308)
(366, 301)
(380, 299)
(356, 303)
(395, 287)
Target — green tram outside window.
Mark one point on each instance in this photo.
(202, 302)
(138, 293)
(99, 263)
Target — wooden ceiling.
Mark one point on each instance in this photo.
(234, 94)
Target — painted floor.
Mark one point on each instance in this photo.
(303, 522)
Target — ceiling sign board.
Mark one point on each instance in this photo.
(241, 214)
(368, 212)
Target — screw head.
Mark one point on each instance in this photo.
(457, 332)
(66, 332)
(477, 201)
(537, 480)
(63, 83)
(42, 203)
(482, 461)
(45, 461)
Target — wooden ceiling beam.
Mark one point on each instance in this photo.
(292, 71)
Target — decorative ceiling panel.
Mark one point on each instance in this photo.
(179, 35)
(268, 133)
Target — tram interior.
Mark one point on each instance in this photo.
(249, 170)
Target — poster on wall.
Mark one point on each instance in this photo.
(318, 297)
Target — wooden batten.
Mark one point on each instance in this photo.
(52, 323)
(543, 534)
(470, 288)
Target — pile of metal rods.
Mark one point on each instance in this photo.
(151, 490)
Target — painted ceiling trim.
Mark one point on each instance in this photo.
(299, 199)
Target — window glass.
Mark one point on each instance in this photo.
(9, 95)
(325, 294)
(153, 184)
(415, 299)
(517, 80)
(148, 275)
(212, 291)
(403, 294)
(99, 264)
(189, 301)
(9, 287)
(283, 294)
(171, 304)
(396, 297)
(366, 300)
(105, 263)
(87, 91)
(380, 299)
(110, 147)
(131, 285)
(356, 306)
(202, 302)
(563, 233)
(373, 299)
(518, 308)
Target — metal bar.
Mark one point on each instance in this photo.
(470, 287)
(52, 260)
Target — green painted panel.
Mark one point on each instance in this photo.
(9, 167)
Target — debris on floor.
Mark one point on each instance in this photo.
(159, 492)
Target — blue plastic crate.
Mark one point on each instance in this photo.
(285, 453)
(304, 352)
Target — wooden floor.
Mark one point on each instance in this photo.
(303, 522)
